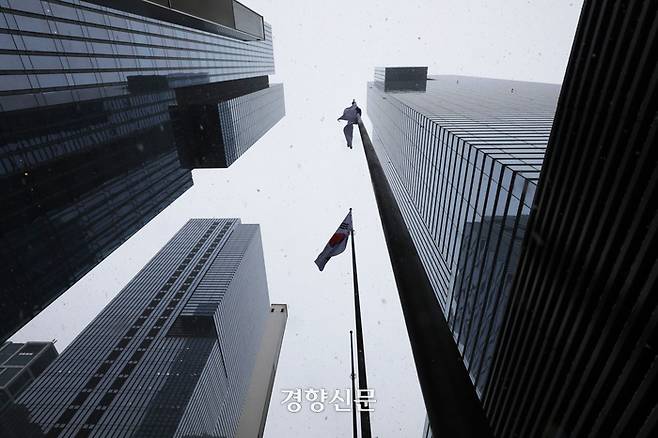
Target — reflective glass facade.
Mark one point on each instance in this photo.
(401, 78)
(87, 149)
(245, 119)
(20, 364)
(223, 17)
(80, 184)
(463, 159)
(214, 132)
(59, 51)
(172, 354)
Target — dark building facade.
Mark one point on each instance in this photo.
(88, 148)
(578, 356)
(20, 364)
(401, 78)
(215, 124)
(462, 156)
(223, 17)
(173, 353)
(247, 118)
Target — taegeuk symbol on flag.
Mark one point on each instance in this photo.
(337, 243)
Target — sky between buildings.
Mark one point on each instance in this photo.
(299, 181)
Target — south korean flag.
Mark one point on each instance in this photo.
(337, 243)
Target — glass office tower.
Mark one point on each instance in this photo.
(173, 353)
(20, 364)
(217, 123)
(462, 156)
(246, 118)
(579, 353)
(88, 144)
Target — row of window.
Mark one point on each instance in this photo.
(463, 161)
(164, 316)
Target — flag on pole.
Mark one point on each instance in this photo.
(351, 115)
(337, 243)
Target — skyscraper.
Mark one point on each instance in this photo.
(173, 353)
(462, 156)
(88, 151)
(257, 403)
(214, 125)
(579, 353)
(20, 364)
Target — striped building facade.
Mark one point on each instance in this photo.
(578, 356)
(463, 159)
(88, 153)
(172, 354)
(247, 118)
(20, 364)
(57, 51)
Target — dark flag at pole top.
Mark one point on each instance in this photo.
(351, 115)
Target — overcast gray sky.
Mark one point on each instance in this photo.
(299, 181)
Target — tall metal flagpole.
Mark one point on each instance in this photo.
(361, 359)
(353, 376)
